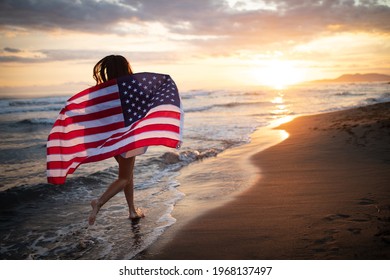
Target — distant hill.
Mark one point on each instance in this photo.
(357, 78)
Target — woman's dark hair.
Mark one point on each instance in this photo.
(111, 67)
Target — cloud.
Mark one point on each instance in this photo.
(85, 15)
(88, 56)
(208, 16)
(11, 50)
(215, 26)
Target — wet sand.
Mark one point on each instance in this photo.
(323, 193)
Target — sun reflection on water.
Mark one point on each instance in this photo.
(281, 112)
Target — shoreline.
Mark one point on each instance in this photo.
(320, 194)
(206, 186)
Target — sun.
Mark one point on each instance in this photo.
(278, 74)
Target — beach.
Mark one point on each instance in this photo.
(188, 191)
(322, 193)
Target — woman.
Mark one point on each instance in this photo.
(111, 67)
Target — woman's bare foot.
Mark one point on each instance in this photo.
(137, 214)
(95, 210)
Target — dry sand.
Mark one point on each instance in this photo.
(323, 193)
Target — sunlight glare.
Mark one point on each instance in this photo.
(278, 74)
(278, 100)
(279, 121)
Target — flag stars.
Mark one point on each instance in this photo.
(142, 93)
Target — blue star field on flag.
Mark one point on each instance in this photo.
(144, 91)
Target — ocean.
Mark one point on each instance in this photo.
(43, 221)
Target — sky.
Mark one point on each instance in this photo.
(51, 46)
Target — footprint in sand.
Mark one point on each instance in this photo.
(324, 244)
(366, 201)
(369, 202)
(384, 235)
(336, 217)
(355, 230)
(361, 220)
(323, 241)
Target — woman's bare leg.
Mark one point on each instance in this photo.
(134, 213)
(112, 190)
(124, 182)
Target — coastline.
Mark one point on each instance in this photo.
(320, 194)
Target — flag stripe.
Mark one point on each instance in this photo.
(64, 161)
(58, 176)
(122, 116)
(172, 125)
(88, 104)
(105, 104)
(101, 133)
(90, 117)
(106, 123)
(61, 170)
(73, 147)
(94, 91)
(73, 134)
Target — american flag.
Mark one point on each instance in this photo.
(121, 116)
